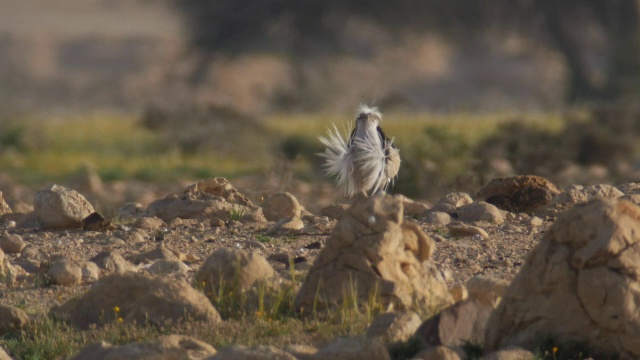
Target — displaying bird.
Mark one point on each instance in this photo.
(365, 163)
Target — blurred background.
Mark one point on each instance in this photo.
(128, 93)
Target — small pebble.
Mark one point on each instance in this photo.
(459, 292)
(478, 237)
(535, 221)
(12, 243)
(215, 222)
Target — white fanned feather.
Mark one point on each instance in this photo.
(338, 160)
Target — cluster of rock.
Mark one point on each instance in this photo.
(579, 284)
(372, 251)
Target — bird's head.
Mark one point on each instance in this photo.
(368, 116)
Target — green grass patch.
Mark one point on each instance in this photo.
(34, 150)
(264, 315)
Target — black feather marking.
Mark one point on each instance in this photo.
(383, 137)
(385, 141)
(352, 136)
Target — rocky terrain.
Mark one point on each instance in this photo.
(522, 269)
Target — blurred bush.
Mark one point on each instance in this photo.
(193, 129)
(594, 146)
(438, 159)
(12, 135)
(606, 136)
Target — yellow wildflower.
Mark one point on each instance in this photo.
(116, 309)
(119, 320)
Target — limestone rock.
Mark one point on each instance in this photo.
(165, 267)
(148, 223)
(535, 221)
(194, 205)
(459, 292)
(461, 322)
(437, 218)
(61, 208)
(12, 319)
(166, 347)
(8, 273)
(90, 271)
(394, 327)
(281, 205)
(262, 352)
(353, 348)
(460, 229)
(4, 207)
(65, 272)
(159, 253)
(112, 262)
(575, 194)
(253, 216)
(130, 210)
(140, 298)
(220, 187)
(487, 288)
(334, 211)
(454, 199)
(32, 258)
(523, 193)
(372, 250)
(232, 269)
(412, 207)
(287, 226)
(4, 355)
(12, 243)
(215, 222)
(579, 284)
(629, 188)
(480, 211)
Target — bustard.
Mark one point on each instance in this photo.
(365, 163)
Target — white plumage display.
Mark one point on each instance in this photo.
(367, 162)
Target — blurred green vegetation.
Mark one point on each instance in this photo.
(119, 147)
(440, 153)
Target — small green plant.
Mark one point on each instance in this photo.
(12, 135)
(263, 238)
(441, 231)
(236, 213)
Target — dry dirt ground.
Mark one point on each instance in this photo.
(458, 258)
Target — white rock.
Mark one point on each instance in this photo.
(61, 208)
